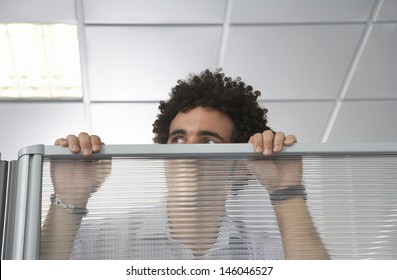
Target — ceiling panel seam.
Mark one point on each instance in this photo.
(351, 70)
(225, 32)
(79, 6)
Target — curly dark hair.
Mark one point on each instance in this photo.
(214, 90)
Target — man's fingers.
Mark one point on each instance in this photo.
(257, 142)
(85, 143)
(95, 143)
(278, 142)
(267, 142)
(263, 142)
(290, 140)
(61, 142)
(73, 143)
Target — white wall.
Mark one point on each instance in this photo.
(326, 69)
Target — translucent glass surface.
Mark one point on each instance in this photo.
(221, 208)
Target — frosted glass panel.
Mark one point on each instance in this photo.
(166, 209)
(221, 206)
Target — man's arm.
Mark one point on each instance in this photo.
(301, 240)
(74, 182)
(58, 233)
(298, 232)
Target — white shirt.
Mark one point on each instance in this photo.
(146, 235)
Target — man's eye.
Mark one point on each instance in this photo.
(209, 141)
(179, 140)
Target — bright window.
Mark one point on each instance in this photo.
(39, 61)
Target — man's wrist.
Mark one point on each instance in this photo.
(70, 208)
(288, 193)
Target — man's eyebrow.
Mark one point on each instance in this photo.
(177, 131)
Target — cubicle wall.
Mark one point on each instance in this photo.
(8, 223)
(205, 202)
(3, 188)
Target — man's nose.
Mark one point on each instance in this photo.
(193, 140)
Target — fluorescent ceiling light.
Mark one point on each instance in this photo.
(39, 61)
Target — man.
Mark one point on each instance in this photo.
(219, 101)
(212, 108)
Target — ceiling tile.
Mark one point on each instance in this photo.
(143, 62)
(375, 76)
(292, 62)
(47, 11)
(306, 120)
(286, 11)
(37, 123)
(365, 121)
(124, 123)
(154, 11)
(388, 11)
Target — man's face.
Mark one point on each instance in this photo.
(197, 126)
(197, 188)
(200, 126)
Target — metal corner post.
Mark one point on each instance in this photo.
(3, 188)
(26, 235)
(9, 211)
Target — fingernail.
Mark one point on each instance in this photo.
(86, 152)
(95, 148)
(75, 148)
(258, 149)
(267, 152)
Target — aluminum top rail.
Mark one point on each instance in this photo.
(216, 149)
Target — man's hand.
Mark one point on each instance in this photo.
(268, 142)
(84, 142)
(76, 180)
(277, 173)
